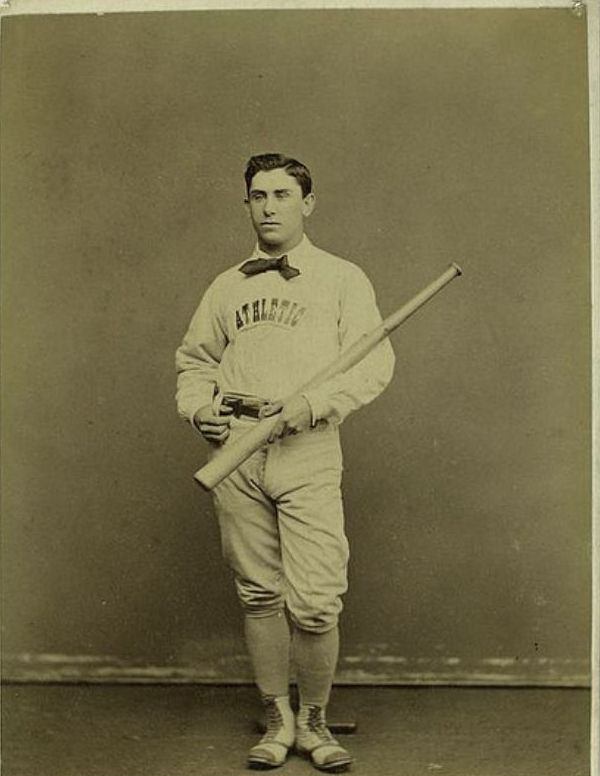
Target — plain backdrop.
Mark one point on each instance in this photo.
(432, 136)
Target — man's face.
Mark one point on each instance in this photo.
(278, 209)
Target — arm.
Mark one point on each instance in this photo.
(335, 399)
(197, 361)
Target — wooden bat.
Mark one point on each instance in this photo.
(233, 454)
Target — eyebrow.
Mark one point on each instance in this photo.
(277, 191)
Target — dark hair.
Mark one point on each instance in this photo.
(267, 162)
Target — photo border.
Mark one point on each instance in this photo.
(591, 9)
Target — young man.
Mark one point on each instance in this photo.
(262, 329)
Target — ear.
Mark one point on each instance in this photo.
(308, 204)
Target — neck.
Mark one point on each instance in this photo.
(280, 248)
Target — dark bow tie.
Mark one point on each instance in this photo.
(256, 266)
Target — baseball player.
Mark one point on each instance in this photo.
(262, 329)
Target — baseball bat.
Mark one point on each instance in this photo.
(233, 454)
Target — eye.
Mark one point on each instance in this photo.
(282, 194)
(256, 196)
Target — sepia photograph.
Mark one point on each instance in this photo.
(297, 389)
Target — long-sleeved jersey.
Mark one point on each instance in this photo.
(266, 336)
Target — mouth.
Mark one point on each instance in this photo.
(270, 223)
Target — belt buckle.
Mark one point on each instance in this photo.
(244, 405)
(234, 402)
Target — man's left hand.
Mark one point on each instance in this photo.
(295, 416)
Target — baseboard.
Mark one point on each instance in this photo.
(369, 667)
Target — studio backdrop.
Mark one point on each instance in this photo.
(433, 136)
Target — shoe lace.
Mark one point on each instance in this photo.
(274, 719)
(316, 723)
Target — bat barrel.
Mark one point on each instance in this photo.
(421, 298)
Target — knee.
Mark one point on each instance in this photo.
(257, 601)
(314, 614)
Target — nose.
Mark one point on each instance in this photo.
(269, 205)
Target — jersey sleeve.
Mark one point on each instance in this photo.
(198, 358)
(335, 399)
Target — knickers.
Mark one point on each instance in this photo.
(282, 527)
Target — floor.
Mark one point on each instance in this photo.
(142, 730)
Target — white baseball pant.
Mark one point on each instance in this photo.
(282, 527)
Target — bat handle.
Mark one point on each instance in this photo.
(235, 452)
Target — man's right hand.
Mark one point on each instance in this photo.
(214, 428)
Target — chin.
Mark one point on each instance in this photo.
(272, 239)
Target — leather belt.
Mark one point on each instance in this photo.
(242, 405)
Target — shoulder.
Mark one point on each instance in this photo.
(224, 281)
(337, 263)
(344, 270)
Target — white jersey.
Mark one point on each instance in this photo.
(267, 336)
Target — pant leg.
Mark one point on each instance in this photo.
(250, 535)
(303, 474)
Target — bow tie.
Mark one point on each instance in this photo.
(256, 266)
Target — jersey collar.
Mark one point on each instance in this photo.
(296, 257)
